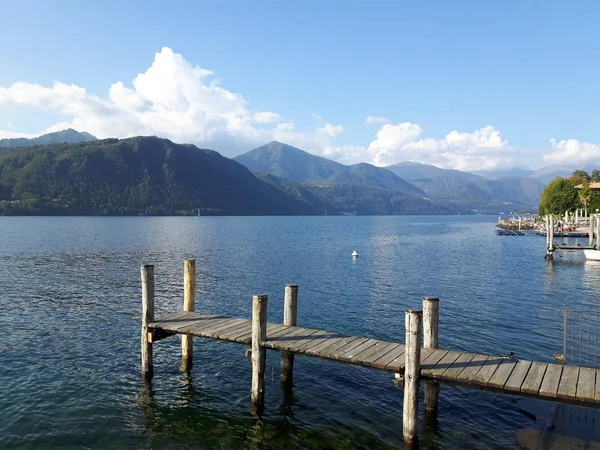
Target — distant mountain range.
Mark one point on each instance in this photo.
(77, 174)
(285, 161)
(544, 175)
(466, 191)
(455, 184)
(58, 137)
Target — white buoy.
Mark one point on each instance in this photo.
(354, 254)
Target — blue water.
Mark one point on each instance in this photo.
(70, 311)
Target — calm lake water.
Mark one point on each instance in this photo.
(70, 312)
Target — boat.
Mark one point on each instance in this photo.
(592, 255)
(506, 232)
(355, 254)
(198, 213)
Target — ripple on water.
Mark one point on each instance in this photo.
(69, 296)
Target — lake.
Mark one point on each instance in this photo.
(70, 313)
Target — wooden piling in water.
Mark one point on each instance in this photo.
(189, 300)
(147, 273)
(597, 223)
(290, 317)
(549, 236)
(591, 236)
(431, 320)
(259, 353)
(413, 321)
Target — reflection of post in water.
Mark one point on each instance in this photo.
(146, 402)
(186, 365)
(188, 392)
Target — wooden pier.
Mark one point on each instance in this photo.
(411, 359)
(551, 233)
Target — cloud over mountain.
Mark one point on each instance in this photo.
(480, 150)
(186, 103)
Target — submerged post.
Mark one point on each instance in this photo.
(147, 273)
(290, 316)
(259, 353)
(412, 360)
(189, 299)
(431, 320)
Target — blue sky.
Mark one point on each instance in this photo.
(462, 84)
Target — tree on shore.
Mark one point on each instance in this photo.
(580, 175)
(559, 196)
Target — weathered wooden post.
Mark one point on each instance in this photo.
(189, 299)
(259, 353)
(591, 236)
(597, 223)
(549, 236)
(147, 273)
(431, 320)
(412, 364)
(290, 316)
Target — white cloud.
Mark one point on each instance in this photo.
(331, 130)
(186, 103)
(572, 152)
(480, 150)
(13, 135)
(266, 117)
(172, 99)
(345, 154)
(375, 120)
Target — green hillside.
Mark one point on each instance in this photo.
(141, 175)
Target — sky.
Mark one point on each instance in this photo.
(465, 84)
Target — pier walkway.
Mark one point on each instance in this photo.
(551, 381)
(419, 356)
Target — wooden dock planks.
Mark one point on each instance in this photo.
(567, 388)
(533, 380)
(586, 384)
(509, 375)
(549, 386)
(515, 381)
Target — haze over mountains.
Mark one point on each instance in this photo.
(468, 191)
(285, 161)
(78, 174)
(69, 136)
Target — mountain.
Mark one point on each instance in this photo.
(544, 175)
(135, 176)
(58, 137)
(464, 186)
(373, 177)
(504, 173)
(353, 199)
(285, 161)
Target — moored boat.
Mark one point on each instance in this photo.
(593, 255)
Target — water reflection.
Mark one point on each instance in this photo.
(497, 294)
